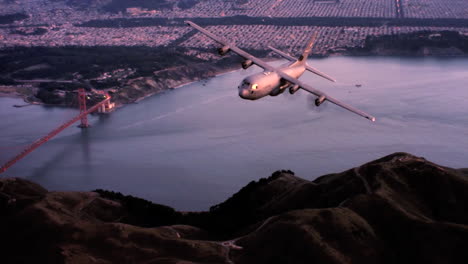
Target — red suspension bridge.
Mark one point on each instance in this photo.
(103, 106)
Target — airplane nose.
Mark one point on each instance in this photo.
(243, 93)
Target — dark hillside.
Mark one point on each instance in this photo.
(397, 209)
(416, 43)
(10, 18)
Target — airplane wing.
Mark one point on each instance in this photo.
(321, 94)
(283, 75)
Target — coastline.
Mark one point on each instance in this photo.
(15, 92)
(9, 92)
(218, 72)
(182, 78)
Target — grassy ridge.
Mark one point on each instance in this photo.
(90, 62)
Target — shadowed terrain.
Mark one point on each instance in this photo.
(397, 209)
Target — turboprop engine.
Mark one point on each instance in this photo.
(247, 63)
(222, 51)
(294, 89)
(320, 100)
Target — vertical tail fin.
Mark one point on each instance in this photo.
(308, 49)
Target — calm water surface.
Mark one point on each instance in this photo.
(193, 147)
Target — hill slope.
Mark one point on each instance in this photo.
(398, 209)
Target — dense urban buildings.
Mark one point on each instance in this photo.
(60, 22)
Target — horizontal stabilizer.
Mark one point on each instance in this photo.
(291, 58)
(319, 73)
(282, 54)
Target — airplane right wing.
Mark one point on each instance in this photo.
(321, 95)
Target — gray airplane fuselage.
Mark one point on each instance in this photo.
(266, 83)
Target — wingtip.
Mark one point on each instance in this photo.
(372, 119)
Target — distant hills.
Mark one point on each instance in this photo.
(397, 209)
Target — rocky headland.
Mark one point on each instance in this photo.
(128, 74)
(397, 209)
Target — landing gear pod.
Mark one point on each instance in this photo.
(294, 89)
(320, 100)
(247, 63)
(222, 51)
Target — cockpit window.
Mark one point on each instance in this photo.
(254, 87)
(246, 83)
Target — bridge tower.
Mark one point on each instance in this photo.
(82, 104)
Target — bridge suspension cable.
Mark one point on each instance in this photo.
(84, 123)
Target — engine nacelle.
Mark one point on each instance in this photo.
(320, 100)
(222, 51)
(247, 63)
(276, 91)
(284, 84)
(294, 89)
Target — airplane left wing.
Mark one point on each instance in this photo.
(321, 95)
(232, 47)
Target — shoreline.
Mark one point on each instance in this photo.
(221, 72)
(13, 92)
(9, 91)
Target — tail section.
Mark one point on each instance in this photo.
(308, 49)
(303, 58)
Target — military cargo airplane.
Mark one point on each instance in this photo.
(274, 81)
